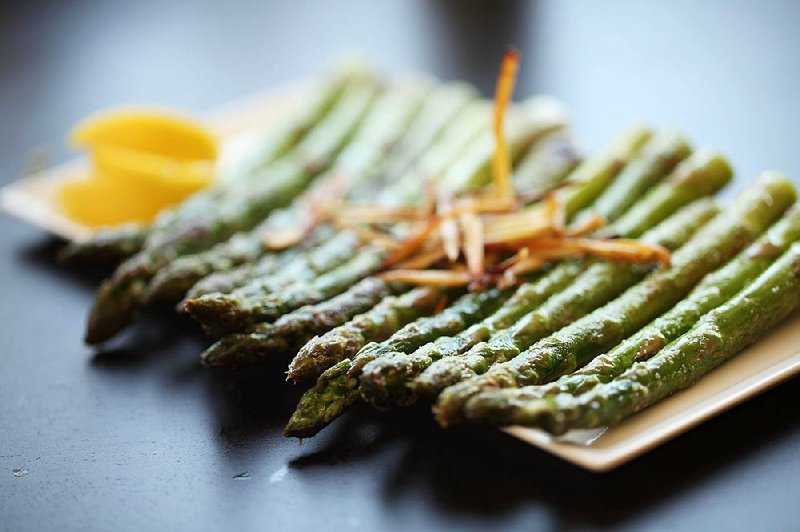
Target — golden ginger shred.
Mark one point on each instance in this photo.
(501, 163)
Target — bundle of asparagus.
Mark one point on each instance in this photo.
(540, 309)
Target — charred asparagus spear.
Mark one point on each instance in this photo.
(577, 343)
(300, 269)
(115, 244)
(376, 325)
(106, 246)
(702, 174)
(716, 337)
(387, 378)
(228, 281)
(714, 290)
(223, 313)
(292, 330)
(119, 297)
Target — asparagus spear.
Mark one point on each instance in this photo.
(455, 140)
(716, 337)
(114, 244)
(387, 378)
(173, 281)
(376, 325)
(337, 388)
(533, 120)
(292, 330)
(106, 246)
(223, 313)
(119, 297)
(701, 174)
(547, 164)
(445, 104)
(228, 281)
(356, 164)
(575, 344)
(714, 290)
(301, 267)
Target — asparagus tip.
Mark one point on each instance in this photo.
(216, 311)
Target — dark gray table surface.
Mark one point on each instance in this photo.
(141, 437)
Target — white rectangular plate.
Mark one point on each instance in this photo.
(770, 361)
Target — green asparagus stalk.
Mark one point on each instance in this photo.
(716, 337)
(445, 103)
(700, 175)
(301, 265)
(356, 164)
(172, 282)
(714, 290)
(533, 120)
(224, 313)
(115, 244)
(659, 157)
(577, 343)
(277, 142)
(376, 325)
(285, 335)
(337, 388)
(107, 246)
(455, 140)
(387, 378)
(267, 265)
(118, 298)
(227, 281)
(547, 164)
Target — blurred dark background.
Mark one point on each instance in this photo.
(725, 71)
(142, 438)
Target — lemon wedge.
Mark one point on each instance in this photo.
(146, 129)
(142, 160)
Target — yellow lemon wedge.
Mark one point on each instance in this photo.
(149, 130)
(101, 202)
(142, 160)
(152, 170)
